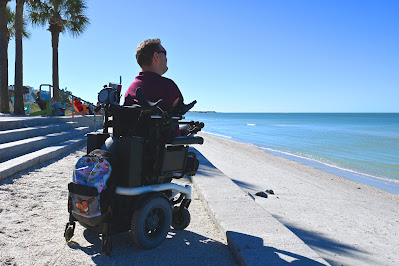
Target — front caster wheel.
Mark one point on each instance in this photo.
(151, 223)
(106, 245)
(69, 230)
(180, 219)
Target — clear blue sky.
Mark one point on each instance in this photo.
(236, 56)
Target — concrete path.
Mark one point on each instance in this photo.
(253, 235)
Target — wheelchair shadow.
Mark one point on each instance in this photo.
(206, 168)
(180, 247)
(251, 251)
(186, 247)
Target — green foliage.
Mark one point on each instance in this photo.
(64, 96)
(11, 25)
(25, 90)
(60, 15)
(10, 22)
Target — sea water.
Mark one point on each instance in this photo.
(363, 147)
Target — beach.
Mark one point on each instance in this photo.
(345, 222)
(33, 214)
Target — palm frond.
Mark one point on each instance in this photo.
(76, 21)
(25, 32)
(77, 26)
(70, 13)
(10, 22)
(10, 16)
(39, 12)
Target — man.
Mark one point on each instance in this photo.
(151, 56)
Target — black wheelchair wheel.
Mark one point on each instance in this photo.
(69, 231)
(151, 222)
(68, 234)
(180, 220)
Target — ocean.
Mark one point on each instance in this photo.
(363, 147)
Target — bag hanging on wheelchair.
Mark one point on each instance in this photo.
(90, 190)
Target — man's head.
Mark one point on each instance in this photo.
(151, 56)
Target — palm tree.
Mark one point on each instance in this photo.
(18, 85)
(61, 15)
(10, 33)
(4, 37)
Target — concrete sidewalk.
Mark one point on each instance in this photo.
(253, 235)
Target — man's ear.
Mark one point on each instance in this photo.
(155, 57)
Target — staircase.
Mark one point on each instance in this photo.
(28, 141)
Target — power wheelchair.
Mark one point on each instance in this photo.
(124, 181)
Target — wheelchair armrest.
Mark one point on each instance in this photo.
(186, 140)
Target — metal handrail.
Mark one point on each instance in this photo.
(73, 99)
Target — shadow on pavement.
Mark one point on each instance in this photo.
(206, 168)
(246, 185)
(321, 243)
(251, 251)
(180, 247)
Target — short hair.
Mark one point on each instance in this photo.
(146, 50)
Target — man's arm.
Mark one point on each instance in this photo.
(175, 94)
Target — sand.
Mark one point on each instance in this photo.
(33, 214)
(346, 222)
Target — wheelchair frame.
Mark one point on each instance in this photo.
(142, 193)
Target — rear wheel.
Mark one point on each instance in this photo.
(151, 222)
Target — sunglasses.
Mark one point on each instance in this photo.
(163, 52)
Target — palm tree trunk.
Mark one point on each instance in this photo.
(4, 106)
(18, 90)
(55, 36)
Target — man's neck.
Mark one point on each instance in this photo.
(150, 69)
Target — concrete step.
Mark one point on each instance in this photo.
(13, 166)
(8, 122)
(16, 148)
(29, 132)
(26, 141)
(14, 122)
